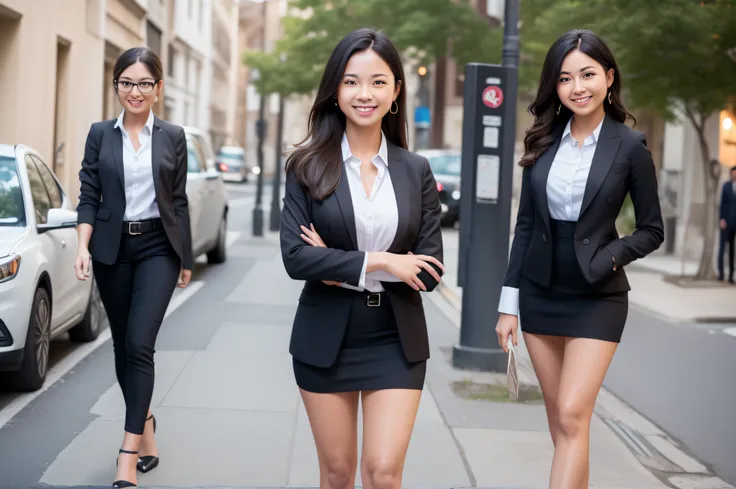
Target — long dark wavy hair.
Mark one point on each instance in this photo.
(317, 160)
(544, 108)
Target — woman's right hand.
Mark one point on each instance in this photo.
(508, 324)
(407, 267)
(81, 264)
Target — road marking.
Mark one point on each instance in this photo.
(232, 237)
(730, 331)
(240, 202)
(70, 361)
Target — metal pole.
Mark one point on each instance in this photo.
(260, 129)
(485, 256)
(275, 216)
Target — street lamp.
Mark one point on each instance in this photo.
(484, 223)
(260, 133)
(275, 215)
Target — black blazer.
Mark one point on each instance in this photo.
(728, 205)
(621, 164)
(102, 194)
(323, 310)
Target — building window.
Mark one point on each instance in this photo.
(153, 37)
(172, 60)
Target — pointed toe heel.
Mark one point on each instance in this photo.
(148, 462)
(123, 483)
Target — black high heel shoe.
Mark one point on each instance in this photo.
(122, 483)
(149, 462)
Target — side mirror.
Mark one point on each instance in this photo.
(59, 219)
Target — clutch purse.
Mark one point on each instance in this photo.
(512, 377)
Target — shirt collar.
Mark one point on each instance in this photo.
(593, 138)
(149, 122)
(382, 149)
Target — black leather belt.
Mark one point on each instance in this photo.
(135, 228)
(374, 299)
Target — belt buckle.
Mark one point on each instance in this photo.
(130, 228)
(374, 300)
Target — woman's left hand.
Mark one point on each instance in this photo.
(184, 277)
(310, 236)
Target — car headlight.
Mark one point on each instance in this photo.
(9, 266)
(456, 195)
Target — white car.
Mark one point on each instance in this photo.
(207, 197)
(40, 296)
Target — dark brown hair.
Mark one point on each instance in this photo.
(143, 55)
(317, 160)
(544, 108)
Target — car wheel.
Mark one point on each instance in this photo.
(89, 329)
(219, 253)
(32, 373)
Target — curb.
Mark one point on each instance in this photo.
(652, 447)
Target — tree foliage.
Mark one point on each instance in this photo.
(422, 30)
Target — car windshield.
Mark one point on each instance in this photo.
(445, 164)
(11, 199)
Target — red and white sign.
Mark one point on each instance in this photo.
(493, 96)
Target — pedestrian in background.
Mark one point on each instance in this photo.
(134, 228)
(361, 225)
(565, 277)
(727, 223)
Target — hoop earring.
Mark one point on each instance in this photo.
(397, 108)
(559, 107)
(609, 98)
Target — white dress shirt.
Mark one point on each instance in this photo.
(376, 214)
(140, 194)
(566, 183)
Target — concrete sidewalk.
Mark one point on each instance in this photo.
(229, 414)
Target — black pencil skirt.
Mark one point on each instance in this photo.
(370, 357)
(570, 306)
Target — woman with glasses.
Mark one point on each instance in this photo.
(134, 227)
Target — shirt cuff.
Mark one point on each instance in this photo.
(509, 302)
(361, 282)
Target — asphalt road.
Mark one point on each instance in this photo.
(681, 377)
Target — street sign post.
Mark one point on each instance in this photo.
(486, 187)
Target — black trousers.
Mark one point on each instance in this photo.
(136, 291)
(728, 236)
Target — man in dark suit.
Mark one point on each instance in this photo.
(728, 226)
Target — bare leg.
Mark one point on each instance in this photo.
(547, 353)
(148, 441)
(584, 367)
(334, 422)
(388, 422)
(126, 466)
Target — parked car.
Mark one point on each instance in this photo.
(207, 198)
(231, 162)
(446, 166)
(40, 295)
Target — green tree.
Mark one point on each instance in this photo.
(675, 56)
(422, 30)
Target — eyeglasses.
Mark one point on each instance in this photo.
(144, 87)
